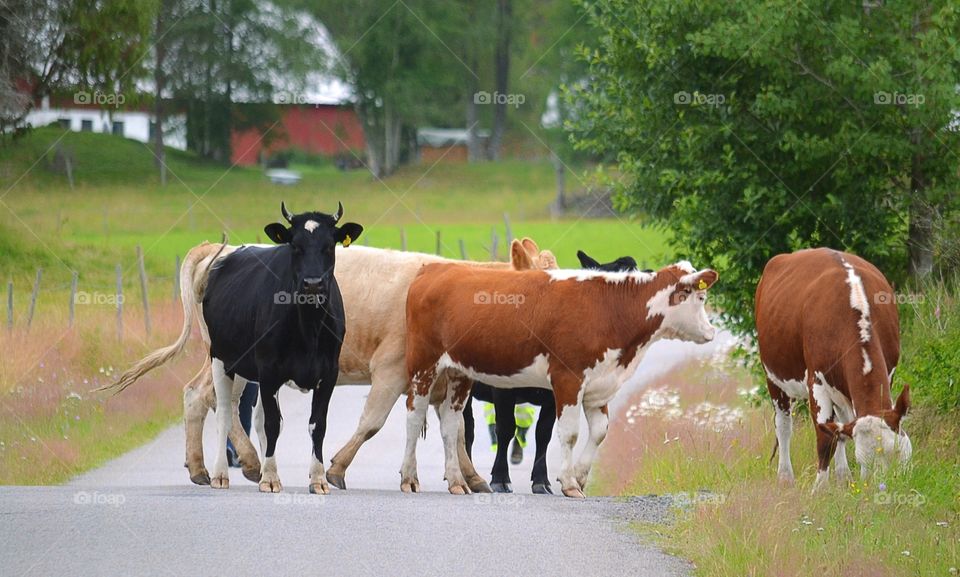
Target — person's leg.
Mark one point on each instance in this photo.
(490, 416)
(523, 414)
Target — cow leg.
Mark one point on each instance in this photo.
(597, 423)
(259, 425)
(198, 399)
(504, 403)
(826, 445)
(783, 424)
(469, 426)
(416, 421)
(548, 416)
(566, 388)
(841, 467)
(273, 422)
(247, 454)
(228, 398)
(451, 421)
(388, 383)
(476, 482)
(318, 429)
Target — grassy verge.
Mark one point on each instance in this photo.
(903, 523)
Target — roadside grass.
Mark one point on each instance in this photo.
(734, 519)
(51, 428)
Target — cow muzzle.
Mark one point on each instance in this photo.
(313, 285)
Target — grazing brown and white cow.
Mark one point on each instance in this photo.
(374, 285)
(828, 331)
(580, 333)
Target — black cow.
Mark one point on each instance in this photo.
(275, 315)
(504, 401)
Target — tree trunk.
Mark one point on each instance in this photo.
(920, 242)
(159, 153)
(501, 76)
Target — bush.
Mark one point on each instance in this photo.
(930, 345)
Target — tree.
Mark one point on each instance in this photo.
(750, 129)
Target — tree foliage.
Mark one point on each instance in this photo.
(749, 129)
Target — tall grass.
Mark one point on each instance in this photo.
(906, 522)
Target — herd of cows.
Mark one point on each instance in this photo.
(308, 314)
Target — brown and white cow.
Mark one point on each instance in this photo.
(828, 331)
(374, 285)
(580, 333)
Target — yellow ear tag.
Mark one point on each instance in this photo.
(346, 240)
(703, 285)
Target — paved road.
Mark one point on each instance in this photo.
(139, 515)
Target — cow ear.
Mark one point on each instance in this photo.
(347, 233)
(702, 280)
(531, 247)
(519, 257)
(903, 401)
(277, 233)
(835, 431)
(586, 261)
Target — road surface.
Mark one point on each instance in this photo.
(139, 514)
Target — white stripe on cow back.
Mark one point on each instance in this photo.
(860, 303)
(581, 275)
(311, 225)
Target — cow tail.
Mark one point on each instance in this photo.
(189, 295)
(776, 443)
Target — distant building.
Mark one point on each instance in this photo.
(445, 144)
(82, 112)
(331, 130)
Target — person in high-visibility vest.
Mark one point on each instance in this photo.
(523, 414)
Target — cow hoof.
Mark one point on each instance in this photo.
(542, 489)
(252, 474)
(501, 487)
(480, 486)
(410, 486)
(459, 490)
(201, 478)
(785, 481)
(320, 488)
(337, 481)
(574, 493)
(270, 483)
(220, 482)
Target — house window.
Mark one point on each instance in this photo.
(118, 128)
(86, 125)
(64, 123)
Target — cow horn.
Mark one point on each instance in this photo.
(336, 217)
(286, 214)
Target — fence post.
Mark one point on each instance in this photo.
(438, 243)
(403, 239)
(463, 250)
(493, 244)
(176, 278)
(33, 297)
(143, 289)
(73, 296)
(10, 305)
(119, 302)
(506, 222)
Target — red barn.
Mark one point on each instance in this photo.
(321, 129)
